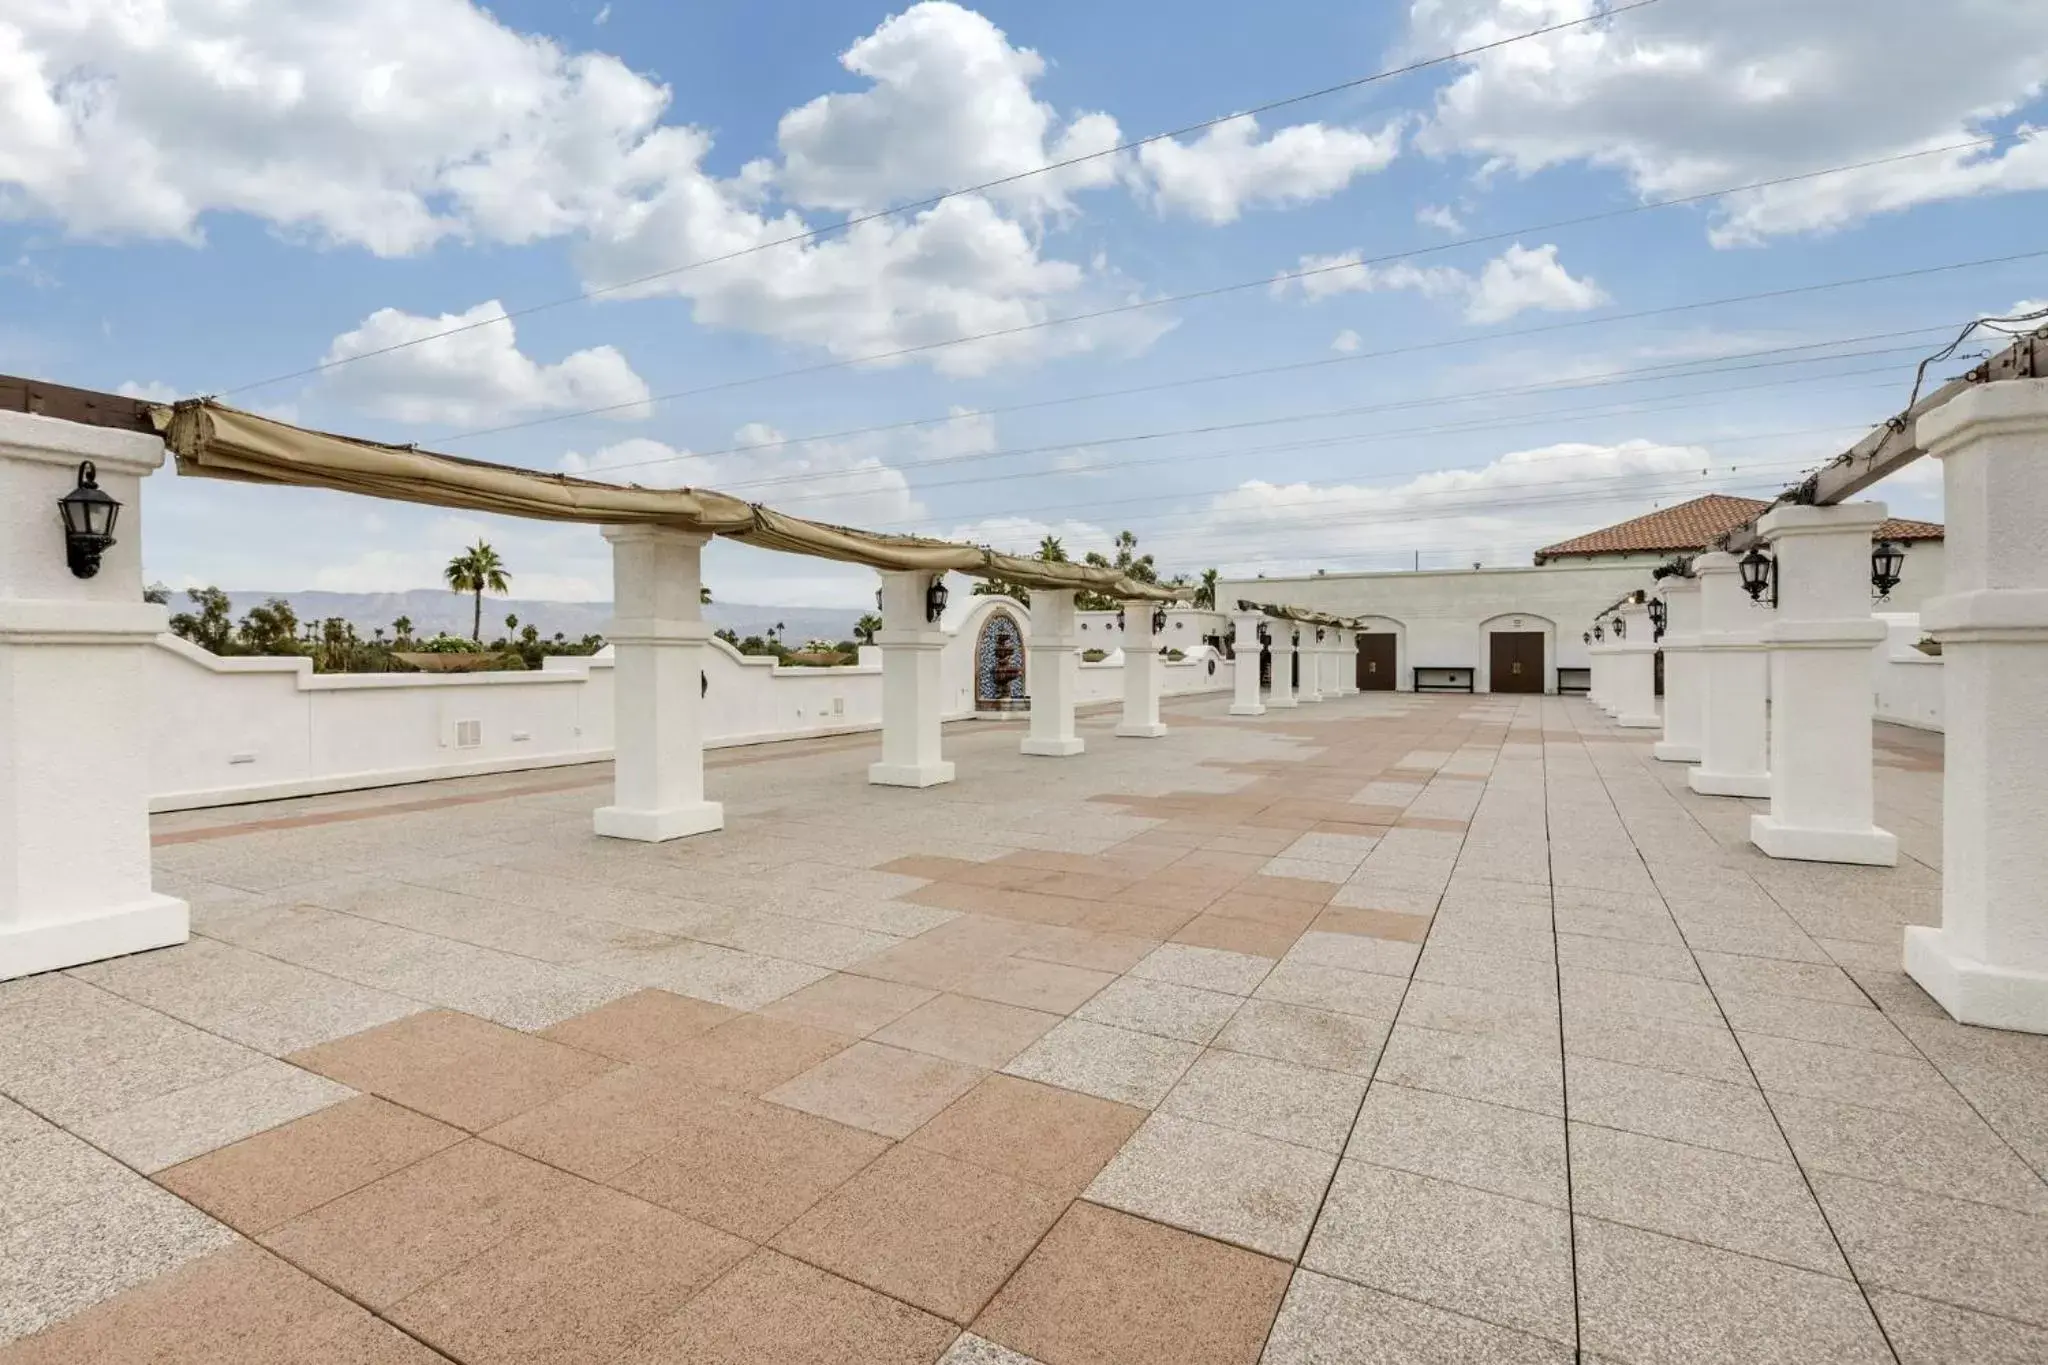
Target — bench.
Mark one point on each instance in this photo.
(1443, 679)
(1574, 682)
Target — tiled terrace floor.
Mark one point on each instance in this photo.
(1393, 1030)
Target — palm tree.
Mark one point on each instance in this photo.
(1051, 551)
(477, 570)
(402, 628)
(865, 629)
(1205, 595)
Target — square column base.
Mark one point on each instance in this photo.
(1238, 708)
(1871, 847)
(1140, 730)
(155, 921)
(909, 774)
(658, 826)
(1729, 784)
(1976, 992)
(1652, 721)
(1040, 748)
(1281, 703)
(1667, 752)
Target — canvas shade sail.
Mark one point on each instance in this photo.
(211, 440)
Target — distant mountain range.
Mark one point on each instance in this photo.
(434, 610)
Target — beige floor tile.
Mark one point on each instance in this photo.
(1505, 1151)
(1303, 1105)
(937, 1233)
(1048, 986)
(853, 1005)
(1116, 1064)
(1669, 1104)
(973, 1350)
(453, 1067)
(1333, 988)
(262, 1181)
(1387, 924)
(771, 1308)
(1162, 1008)
(1055, 1138)
(1482, 1255)
(749, 1167)
(1972, 1255)
(1236, 935)
(578, 1286)
(639, 1027)
(1234, 1186)
(1104, 1288)
(1209, 969)
(1959, 1156)
(382, 1242)
(883, 1089)
(1312, 1037)
(1355, 952)
(1657, 1300)
(963, 1029)
(615, 1122)
(1474, 1068)
(237, 1306)
(1329, 1320)
(752, 1053)
(1737, 1203)
(1928, 1333)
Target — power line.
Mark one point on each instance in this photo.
(964, 414)
(1322, 494)
(1326, 414)
(997, 183)
(1216, 291)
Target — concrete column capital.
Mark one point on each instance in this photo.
(2008, 407)
(640, 534)
(1837, 519)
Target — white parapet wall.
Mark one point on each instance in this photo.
(229, 730)
(1907, 683)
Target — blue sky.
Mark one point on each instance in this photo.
(202, 198)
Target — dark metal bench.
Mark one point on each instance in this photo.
(1443, 679)
(1574, 682)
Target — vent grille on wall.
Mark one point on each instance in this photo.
(468, 734)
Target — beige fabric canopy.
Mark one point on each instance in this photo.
(211, 440)
(1300, 615)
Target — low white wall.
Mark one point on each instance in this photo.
(1907, 683)
(225, 730)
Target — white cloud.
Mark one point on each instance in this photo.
(1520, 279)
(1345, 341)
(849, 481)
(1227, 169)
(1516, 281)
(1441, 218)
(1690, 97)
(477, 375)
(155, 391)
(1499, 512)
(391, 125)
(949, 104)
(1021, 535)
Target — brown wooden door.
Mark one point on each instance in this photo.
(1516, 661)
(1376, 663)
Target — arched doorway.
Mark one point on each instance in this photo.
(999, 665)
(1381, 645)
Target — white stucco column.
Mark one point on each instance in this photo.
(1988, 961)
(1681, 642)
(1822, 783)
(1310, 650)
(1733, 674)
(1281, 693)
(1244, 697)
(1635, 671)
(1596, 671)
(74, 709)
(1141, 674)
(1344, 663)
(911, 704)
(1053, 675)
(657, 634)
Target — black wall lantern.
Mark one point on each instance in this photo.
(1659, 614)
(1587, 637)
(1759, 575)
(1599, 632)
(1158, 620)
(1886, 560)
(1620, 629)
(89, 516)
(1319, 634)
(935, 600)
(878, 599)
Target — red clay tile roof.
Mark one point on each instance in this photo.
(1693, 525)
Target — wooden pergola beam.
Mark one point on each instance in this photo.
(88, 407)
